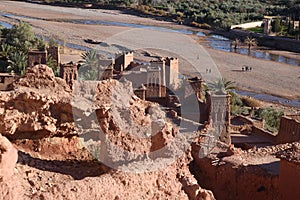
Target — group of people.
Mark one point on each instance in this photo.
(246, 68)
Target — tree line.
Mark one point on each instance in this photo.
(217, 13)
(14, 46)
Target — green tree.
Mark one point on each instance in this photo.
(278, 26)
(53, 65)
(235, 43)
(221, 86)
(89, 66)
(5, 51)
(271, 117)
(21, 36)
(40, 43)
(17, 62)
(52, 42)
(250, 42)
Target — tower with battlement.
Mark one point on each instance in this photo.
(154, 82)
(171, 72)
(122, 61)
(161, 64)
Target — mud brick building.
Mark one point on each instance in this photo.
(289, 175)
(36, 57)
(69, 73)
(289, 129)
(5, 80)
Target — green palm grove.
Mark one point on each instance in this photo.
(14, 46)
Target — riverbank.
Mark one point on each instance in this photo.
(266, 77)
(275, 42)
(282, 43)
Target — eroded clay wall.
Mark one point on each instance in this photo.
(289, 180)
(5, 81)
(289, 130)
(235, 183)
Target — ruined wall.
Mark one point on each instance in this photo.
(235, 182)
(172, 100)
(220, 116)
(289, 130)
(289, 179)
(196, 84)
(5, 81)
(159, 66)
(141, 93)
(155, 91)
(36, 57)
(122, 61)
(265, 133)
(105, 74)
(160, 100)
(155, 86)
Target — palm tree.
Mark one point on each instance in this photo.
(221, 86)
(53, 65)
(5, 51)
(250, 42)
(89, 65)
(90, 58)
(235, 43)
(17, 62)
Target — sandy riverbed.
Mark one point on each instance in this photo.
(266, 76)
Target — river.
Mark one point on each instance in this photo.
(215, 41)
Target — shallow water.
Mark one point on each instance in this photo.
(223, 44)
(6, 25)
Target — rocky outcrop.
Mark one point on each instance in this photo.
(172, 182)
(38, 106)
(63, 135)
(42, 79)
(8, 159)
(9, 184)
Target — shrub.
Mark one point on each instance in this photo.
(205, 26)
(250, 102)
(271, 117)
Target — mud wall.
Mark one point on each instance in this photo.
(265, 133)
(289, 180)
(289, 130)
(5, 81)
(230, 182)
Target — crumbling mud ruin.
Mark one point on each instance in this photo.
(98, 140)
(42, 156)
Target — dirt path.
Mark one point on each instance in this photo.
(266, 76)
